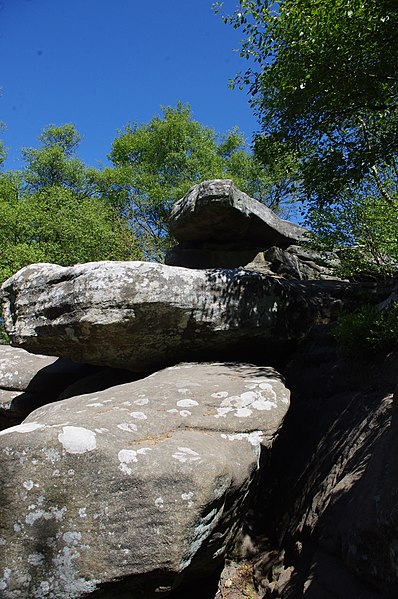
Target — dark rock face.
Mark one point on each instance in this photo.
(143, 485)
(215, 211)
(330, 516)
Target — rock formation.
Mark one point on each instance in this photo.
(146, 482)
(218, 226)
(159, 441)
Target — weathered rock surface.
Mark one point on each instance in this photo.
(216, 211)
(140, 315)
(28, 381)
(296, 263)
(18, 367)
(143, 316)
(328, 510)
(134, 490)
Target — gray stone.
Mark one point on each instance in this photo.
(18, 367)
(136, 489)
(141, 316)
(216, 211)
(28, 381)
(296, 263)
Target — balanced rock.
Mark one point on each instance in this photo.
(219, 226)
(217, 211)
(137, 489)
(142, 316)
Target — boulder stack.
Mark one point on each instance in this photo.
(157, 439)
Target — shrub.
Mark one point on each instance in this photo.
(369, 328)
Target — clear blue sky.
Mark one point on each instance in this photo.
(101, 64)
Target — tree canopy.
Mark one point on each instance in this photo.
(56, 209)
(45, 216)
(323, 81)
(155, 164)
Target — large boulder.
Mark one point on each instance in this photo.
(219, 226)
(135, 490)
(141, 315)
(216, 211)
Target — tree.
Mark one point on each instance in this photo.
(3, 153)
(155, 164)
(323, 81)
(54, 163)
(45, 217)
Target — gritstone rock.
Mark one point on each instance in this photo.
(217, 211)
(28, 381)
(142, 316)
(143, 486)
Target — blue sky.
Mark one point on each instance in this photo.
(101, 64)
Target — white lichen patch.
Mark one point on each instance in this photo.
(220, 394)
(128, 456)
(187, 403)
(243, 412)
(260, 396)
(52, 455)
(254, 438)
(139, 415)
(76, 439)
(188, 498)
(83, 512)
(142, 401)
(127, 427)
(54, 513)
(35, 559)
(29, 484)
(25, 427)
(185, 413)
(186, 454)
(159, 503)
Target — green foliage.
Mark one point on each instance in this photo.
(54, 162)
(155, 164)
(369, 328)
(364, 230)
(52, 220)
(323, 81)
